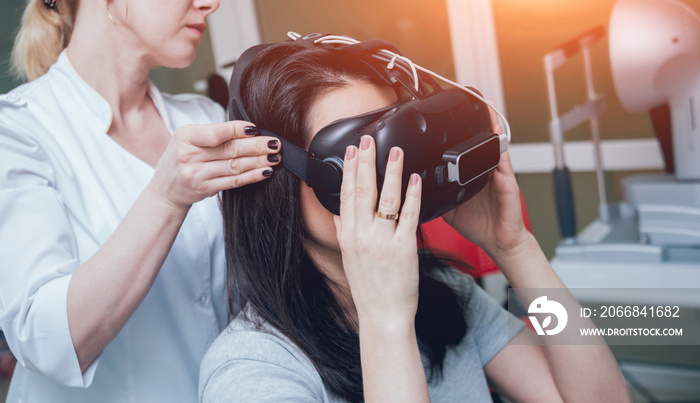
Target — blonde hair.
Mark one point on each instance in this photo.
(44, 33)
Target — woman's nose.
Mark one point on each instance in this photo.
(208, 5)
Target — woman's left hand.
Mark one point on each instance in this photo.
(493, 218)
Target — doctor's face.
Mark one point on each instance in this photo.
(169, 30)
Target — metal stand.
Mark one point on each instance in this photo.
(560, 124)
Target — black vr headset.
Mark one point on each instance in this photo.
(445, 134)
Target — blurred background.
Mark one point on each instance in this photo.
(496, 46)
(524, 32)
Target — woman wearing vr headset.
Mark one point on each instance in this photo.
(346, 308)
(112, 273)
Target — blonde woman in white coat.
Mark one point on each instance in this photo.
(111, 253)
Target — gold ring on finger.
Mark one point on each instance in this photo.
(385, 216)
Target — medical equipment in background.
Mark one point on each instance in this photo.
(559, 124)
(648, 248)
(655, 60)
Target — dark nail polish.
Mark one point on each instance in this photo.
(273, 157)
(273, 144)
(267, 173)
(251, 131)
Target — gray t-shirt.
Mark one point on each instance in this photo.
(245, 364)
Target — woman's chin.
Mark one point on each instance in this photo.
(181, 60)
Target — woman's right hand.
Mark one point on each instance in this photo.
(202, 160)
(380, 256)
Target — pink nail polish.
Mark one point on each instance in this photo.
(364, 143)
(394, 154)
(350, 152)
(414, 179)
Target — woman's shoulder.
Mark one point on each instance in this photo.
(249, 353)
(26, 116)
(246, 337)
(51, 103)
(475, 300)
(14, 103)
(249, 338)
(15, 96)
(489, 324)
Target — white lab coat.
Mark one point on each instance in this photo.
(64, 187)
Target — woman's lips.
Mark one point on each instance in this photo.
(197, 28)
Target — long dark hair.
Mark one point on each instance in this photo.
(268, 266)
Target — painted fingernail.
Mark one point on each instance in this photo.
(251, 130)
(414, 179)
(267, 173)
(364, 142)
(273, 144)
(273, 157)
(350, 152)
(394, 154)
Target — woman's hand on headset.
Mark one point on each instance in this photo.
(380, 256)
(202, 160)
(493, 218)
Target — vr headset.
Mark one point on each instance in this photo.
(445, 134)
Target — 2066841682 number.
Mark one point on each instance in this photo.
(635, 311)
